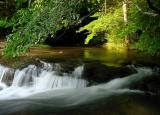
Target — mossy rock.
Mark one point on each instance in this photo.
(100, 73)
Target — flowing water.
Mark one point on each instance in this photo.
(47, 89)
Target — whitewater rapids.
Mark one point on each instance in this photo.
(46, 87)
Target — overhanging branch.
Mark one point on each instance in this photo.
(147, 13)
(151, 6)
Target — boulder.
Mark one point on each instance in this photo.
(99, 73)
(150, 85)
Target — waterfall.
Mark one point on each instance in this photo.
(33, 79)
(5, 74)
(34, 88)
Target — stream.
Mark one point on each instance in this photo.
(75, 81)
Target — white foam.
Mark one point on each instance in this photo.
(32, 81)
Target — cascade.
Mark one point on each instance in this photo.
(36, 87)
(33, 79)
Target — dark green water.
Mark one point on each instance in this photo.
(125, 103)
(112, 57)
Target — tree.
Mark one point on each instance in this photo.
(33, 24)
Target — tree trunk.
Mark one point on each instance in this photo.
(105, 6)
(125, 11)
(125, 16)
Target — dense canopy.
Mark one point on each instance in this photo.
(32, 21)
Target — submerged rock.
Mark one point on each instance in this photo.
(100, 73)
(150, 85)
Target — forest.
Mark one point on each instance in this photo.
(79, 57)
(131, 23)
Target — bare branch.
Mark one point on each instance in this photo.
(147, 13)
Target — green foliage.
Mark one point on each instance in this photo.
(110, 24)
(32, 25)
(3, 23)
(113, 27)
(149, 44)
(150, 25)
(20, 2)
(150, 38)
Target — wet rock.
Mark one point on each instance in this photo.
(8, 76)
(100, 73)
(150, 85)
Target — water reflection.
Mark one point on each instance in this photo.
(111, 56)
